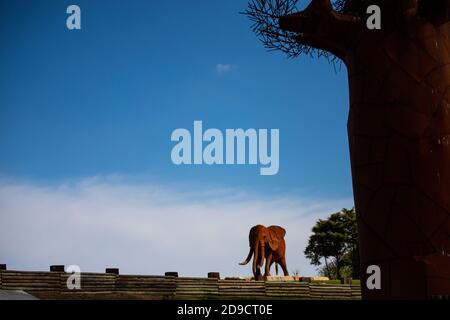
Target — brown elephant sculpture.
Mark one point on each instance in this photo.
(266, 244)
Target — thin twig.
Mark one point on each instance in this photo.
(265, 15)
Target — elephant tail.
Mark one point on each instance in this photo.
(249, 257)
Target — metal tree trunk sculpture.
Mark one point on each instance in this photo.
(398, 128)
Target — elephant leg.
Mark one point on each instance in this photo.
(269, 262)
(258, 275)
(284, 267)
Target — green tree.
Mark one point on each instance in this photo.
(350, 227)
(330, 272)
(335, 240)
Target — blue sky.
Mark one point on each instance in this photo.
(103, 101)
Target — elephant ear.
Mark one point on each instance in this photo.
(280, 232)
(273, 240)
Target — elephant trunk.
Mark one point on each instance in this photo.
(263, 255)
(249, 256)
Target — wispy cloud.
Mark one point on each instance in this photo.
(223, 68)
(145, 228)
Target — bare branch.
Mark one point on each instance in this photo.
(266, 15)
(320, 26)
(329, 28)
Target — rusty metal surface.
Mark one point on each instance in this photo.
(399, 136)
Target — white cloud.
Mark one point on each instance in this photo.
(223, 68)
(146, 229)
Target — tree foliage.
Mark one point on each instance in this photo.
(335, 241)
